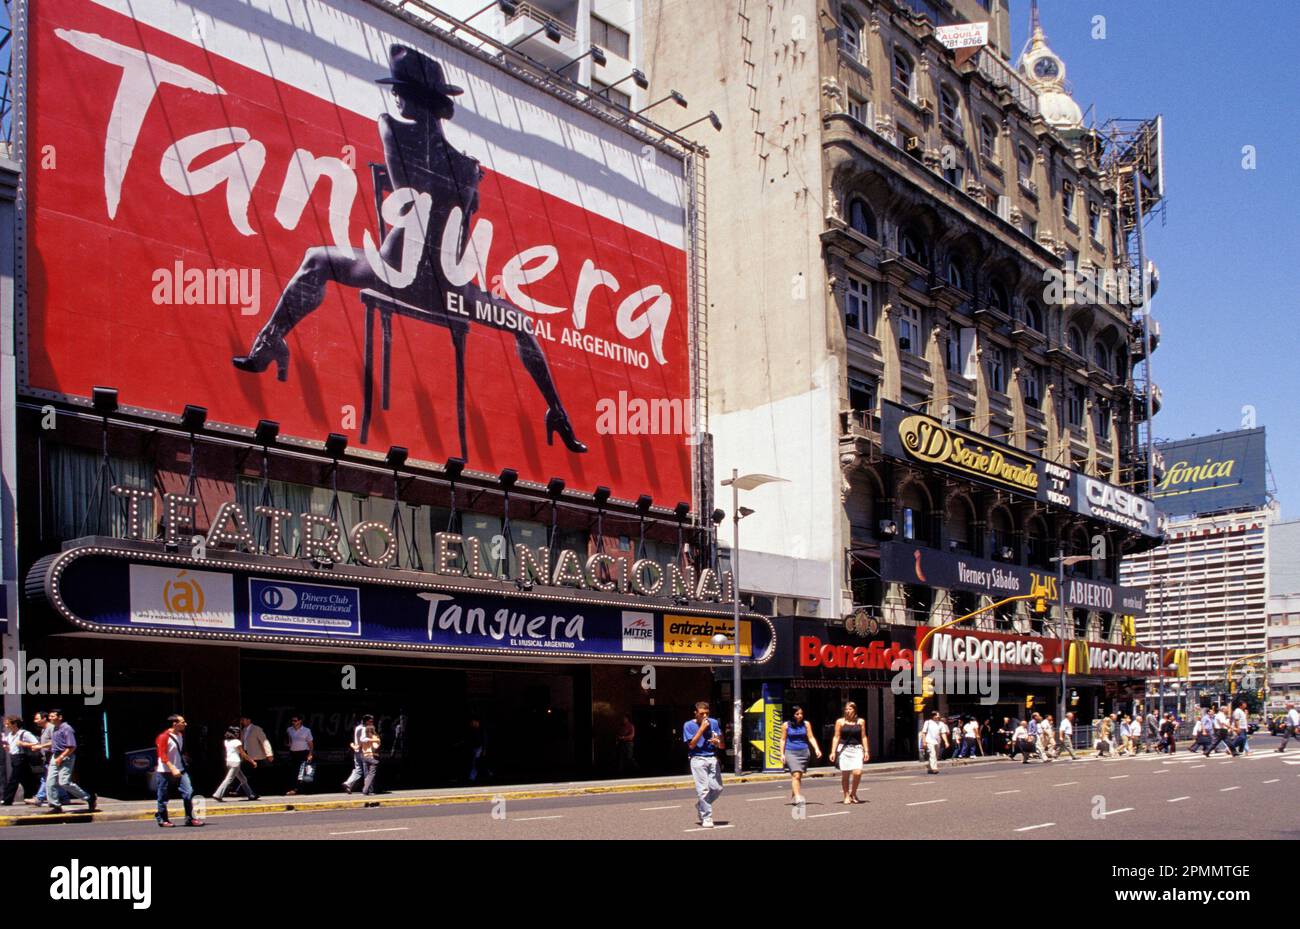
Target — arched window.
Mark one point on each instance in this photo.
(915, 522)
(851, 35)
(1101, 355)
(861, 219)
(1121, 364)
(989, 139)
(1067, 200)
(998, 298)
(996, 366)
(959, 526)
(949, 111)
(1037, 540)
(1002, 536)
(1025, 166)
(955, 277)
(1034, 316)
(904, 80)
(911, 245)
(1075, 342)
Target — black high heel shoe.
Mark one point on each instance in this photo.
(266, 348)
(558, 421)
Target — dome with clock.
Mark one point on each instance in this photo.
(1045, 73)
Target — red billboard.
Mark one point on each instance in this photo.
(318, 213)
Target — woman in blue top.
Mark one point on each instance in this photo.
(796, 736)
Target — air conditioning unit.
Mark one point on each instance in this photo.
(888, 527)
(924, 105)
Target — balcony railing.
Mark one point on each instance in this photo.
(1003, 75)
(539, 15)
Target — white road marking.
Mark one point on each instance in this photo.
(1066, 784)
(1032, 828)
(820, 815)
(529, 819)
(997, 792)
(761, 799)
(1126, 809)
(1291, 762)
(1159, 772)
(1224, 790)
(1177, 799)
(924, 802)
(984, 777)
(713, 829)
(1195, 766)
(1118, 777)
(363, 831)
(647, 809)
(1274, 781)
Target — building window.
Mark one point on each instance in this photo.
(949, 111)
(989, 140)
(1034, 316)
(1101, 355)
(1067, 201)
(851, 36)
(912, 247)
(1075, 343)
(1029, 227)
(860, 110)
(612, 94)
(998, 298)
(1094, 220)
(857, 306)
(1032, 383)
(909, 330)
(952, 354)
(955, 277)
(1074, 406)
(1025, 167)
(861, 219)
(861, 394)
(996, 366)
(1102, 411)
(609, 37)
(1072, 259)
(904, 74)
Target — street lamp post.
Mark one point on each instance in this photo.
(738, 483)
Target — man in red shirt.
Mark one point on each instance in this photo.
(171, 769)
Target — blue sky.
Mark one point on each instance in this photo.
(1229, 252)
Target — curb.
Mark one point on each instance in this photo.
(245, 808)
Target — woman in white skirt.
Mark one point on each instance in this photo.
(796, 737)
(850, 746)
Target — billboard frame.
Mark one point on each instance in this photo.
(691, 155)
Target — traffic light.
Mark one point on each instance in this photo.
(927, 686)
(918, 704)
(1029, 702)
(1040, 606)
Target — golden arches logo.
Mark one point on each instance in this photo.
(183, 594)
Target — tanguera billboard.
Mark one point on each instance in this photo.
(217, 219)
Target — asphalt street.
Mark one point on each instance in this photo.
(1150, 797)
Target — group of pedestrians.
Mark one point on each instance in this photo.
(42, 765)
(1223, 725)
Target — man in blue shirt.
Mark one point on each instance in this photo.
(63, 750)
(703, 737)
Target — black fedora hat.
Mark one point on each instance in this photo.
(413, 69)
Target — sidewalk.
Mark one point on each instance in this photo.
(143, 810)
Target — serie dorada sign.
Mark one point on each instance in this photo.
(454, 555)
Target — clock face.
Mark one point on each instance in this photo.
(1047, 68)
